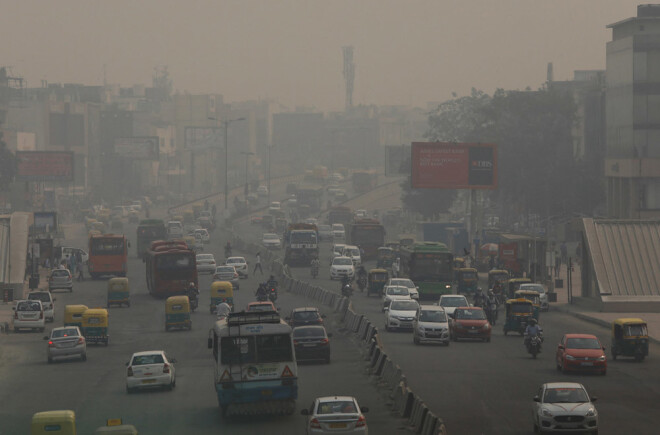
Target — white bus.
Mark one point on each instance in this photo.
(255, 364)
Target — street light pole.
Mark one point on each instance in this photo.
(269, 151)
(226, 127)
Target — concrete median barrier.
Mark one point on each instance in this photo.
(429, 423)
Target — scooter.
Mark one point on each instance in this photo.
(272, 294)
(534, 345)
(347, 291)
(193, 303)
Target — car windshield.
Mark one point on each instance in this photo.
(337, 407)
(68, 332)
(28, 306)
(41, 296)
(342, 262)
(403, 282)
(225, 269)
(140, 360)
(309, 332)
(271, 237)
(582, 343)
(565, 395)
(398, 291)
(235, 261)
(432, 316)
(454, 302)
(337, 227)
(60, 273)
(205, 257)
(306, 315)
(404, 306)
(469, 314)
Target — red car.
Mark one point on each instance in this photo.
(581, 352)
(469, 322)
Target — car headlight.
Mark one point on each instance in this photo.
(591, 412)
(486, 327)
(601, 358)
(546, 413)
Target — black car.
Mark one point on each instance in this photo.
(305, 316)
(311, 343)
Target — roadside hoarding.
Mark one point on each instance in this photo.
(201, 138)
(445, 165)
(44, 166)
(137, 147)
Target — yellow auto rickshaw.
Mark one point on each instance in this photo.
(177, 313)
(518, 314)
(459, 263)
(89, 222)
(117, 427)
(630, 337)
(190, 241)
(385, 257)
(376, 280)
(531, 296)
(62, 422)
(467, 280)
(513, 284)
(118, 292)
(73, 315)
(95, 325)
(178, 218)
(91, 233)
(221, 291)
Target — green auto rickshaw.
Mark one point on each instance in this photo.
(630, 337)
(177, 313)
(518, 314)
(118, 293)
(385, 257)
(376, 280)
(468, 280)
(512, 285)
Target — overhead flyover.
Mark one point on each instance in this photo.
(622, 264)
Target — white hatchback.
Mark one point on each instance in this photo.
(28, 314)
(239, 264)
(412, 288)
(150, 369)
(400, 314)
(431, 325)
(47, 301)
(335, 414)
(205, 263)
(564, 406)
(354, 253)
(451, 302)
(342, 267)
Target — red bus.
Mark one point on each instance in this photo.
(108, 255)
(170, 267)
(368, 235)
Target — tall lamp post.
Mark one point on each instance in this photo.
(225, 124)
(247, 155)
(269, 151)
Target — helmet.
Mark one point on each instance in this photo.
(532, 321)
(192, 284)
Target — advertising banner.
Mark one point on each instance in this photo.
(201, 138)
(445, 165)
(44, 166)
(137, 147)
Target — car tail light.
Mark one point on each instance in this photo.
(361, 421)
(41, 314)
(325, 341)
(314, 423)
(129, 372)
(166, 368)
(50, 343)
(81, 340)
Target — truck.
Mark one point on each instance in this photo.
(340, 215)
(301, 244)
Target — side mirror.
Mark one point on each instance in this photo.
(126, 364)
(594, 398)
(364, 409)
(304, 411)
(537, 399)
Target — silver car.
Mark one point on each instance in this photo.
(564, 406)
(60, 279)
(227, 273)
(28, 314)
(66, 342)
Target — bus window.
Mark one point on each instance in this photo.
(237, 350)
(273, 348)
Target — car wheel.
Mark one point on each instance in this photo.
(169, 387)
(83, 357)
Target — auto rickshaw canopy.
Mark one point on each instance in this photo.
(177, 304)
(47, 422)
(630, 326)
(222, 289)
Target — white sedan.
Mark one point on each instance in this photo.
(205, 263)
(451, 302)
(239, 264)
(564, 406)
(400, 314)
(335, 414)
(271, 241)
(412, 288)
(150, 369)
(393, 293)
(342, 267)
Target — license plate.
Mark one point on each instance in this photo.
(587, 364)
(473, 331)
(266, 392)
(148, 381)
(309, 345)
(337, 425)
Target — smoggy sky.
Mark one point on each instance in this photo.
(406, 51)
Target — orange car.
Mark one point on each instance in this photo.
(260, 306)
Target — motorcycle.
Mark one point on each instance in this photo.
(534, 345)
(272, 294)
(193, 303)
(262, 297)
(347, 290)
(362, 283)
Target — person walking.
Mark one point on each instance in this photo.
(257, 264)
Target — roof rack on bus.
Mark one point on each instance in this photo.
(246, 318)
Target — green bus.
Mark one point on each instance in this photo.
(430, 265)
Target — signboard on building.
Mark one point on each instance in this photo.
(397, 160)
(137, 147)
(202, 138)
(45, 221)
(445, 165)
(44, 166)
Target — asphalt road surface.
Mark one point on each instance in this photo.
(95, 389)
(487, 388)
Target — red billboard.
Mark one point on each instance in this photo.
(447, 165)
(44, 166)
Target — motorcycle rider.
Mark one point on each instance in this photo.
(346, 288)
(193, 293)
(361, 272)
(479, 298)
(262, 293)
(491, 307)
(223, 309)
(315, 266)
(533, 329)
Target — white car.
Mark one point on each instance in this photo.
(28, 314)
(338, 232)
(274, 207)
(312, 221)
(543, 296)
(400, 314)
(335, 414)
(412, 288)
(342, 267)
(239, 264)
(174, 229)
(451, 302)
(66, 342)
(205, 263)
(47, 302)
(262, 191)
(354, 253)
(271, 241)
(150, 369)
(431, 325)
(393, 293)
(564, 406)
(203, 234)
